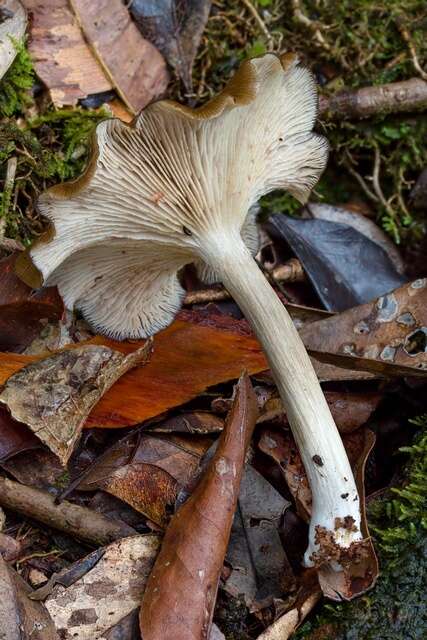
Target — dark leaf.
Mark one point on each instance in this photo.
(20, 617)
(24, 311)
(260, 570)
(175, 27)
(14, 436)
(180, 594)
(344, 266)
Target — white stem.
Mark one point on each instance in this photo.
(325, 460)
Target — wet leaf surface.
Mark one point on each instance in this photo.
(24, 311)
(54, 396)
(175, 27)
(14, 436)
(345, 267)
(181, 591)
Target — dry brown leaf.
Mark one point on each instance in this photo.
(20, 617)
(388, 335)
(285, 626)
(181, 590)
(361, 573)
(147, 474)
(61, 56)
(54, 396)
(104, 595)
(134, 66)
(13, 23)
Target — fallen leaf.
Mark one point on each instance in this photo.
(54, 396)
(110, 590)
(175, 27)
(361, 573)
(345, 267)
(24, 311)
(21, 618)
(260, 570)
(198, 422)
(62, 59)
(146, 472)
(13, 23)
(388, 335)
(360, 223)
(350, 410)
(180, 595)
(134, 66)
(14, 437)
(39, 468)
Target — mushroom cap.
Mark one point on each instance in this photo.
(155, 190)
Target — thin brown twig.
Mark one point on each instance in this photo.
(406, 36)
(348, 165)
(376, 182)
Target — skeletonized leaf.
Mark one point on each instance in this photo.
(180, 594)
(175, 27)
(13, 23)
(54, 396)
(345, 267)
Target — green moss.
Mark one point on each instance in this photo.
(395, 609)
(49, 149)
(16, 84)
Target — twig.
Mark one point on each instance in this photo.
(406, 36)
(358, 177)
(260, 22)
(314, 27)
(376, 183)
(7, 192)
(77, 521)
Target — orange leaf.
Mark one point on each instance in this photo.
(187, 359)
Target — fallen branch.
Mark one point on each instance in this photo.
(77, 521)
(395, 97)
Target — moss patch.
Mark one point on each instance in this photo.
(395, 609)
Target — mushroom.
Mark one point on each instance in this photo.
(174, 188)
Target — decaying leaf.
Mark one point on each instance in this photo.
(96, 48)
(259, 567)
(54, 396)
(23, 311)
(362, 572)
(64, 62)
(14, 437)
(197, 422)
(175, 27)
(345, 267)
(147, 474)
(109, 591)
(20, 617)
(134, 66)
(181, 590)
(388, 335)
(13, 23)
(362, 224)
(349, 410)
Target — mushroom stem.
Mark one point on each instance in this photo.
(336, 508)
